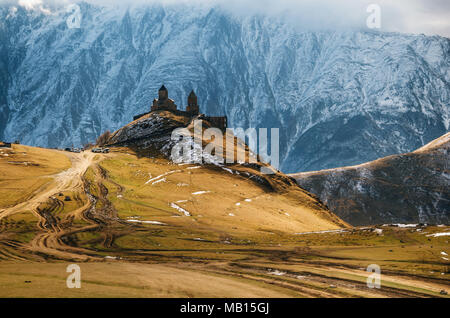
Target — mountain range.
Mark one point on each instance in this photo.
(339, 97)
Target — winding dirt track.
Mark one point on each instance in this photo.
(68, 180)
(49, 241)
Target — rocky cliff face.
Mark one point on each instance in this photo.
(408, 188)
(339, 98)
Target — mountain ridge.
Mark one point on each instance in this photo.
(339, 98)
(405, 188)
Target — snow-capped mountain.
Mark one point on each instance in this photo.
(406, 188)
(338, 97)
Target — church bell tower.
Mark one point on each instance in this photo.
(192, 106)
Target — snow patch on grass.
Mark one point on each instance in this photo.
(180, 209)
(405, 225)
(146, 222)
(439, 234)
(200, 192)
(228, 170)
(277, 273)
(153, 180)
(158, 181)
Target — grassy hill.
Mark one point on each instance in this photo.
(125, 202)
(140, 225)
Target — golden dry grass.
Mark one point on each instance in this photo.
(220, 250)
(24, 170)
(127, 280)
(218, 201)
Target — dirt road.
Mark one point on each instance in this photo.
(68, 180)
(71, 180)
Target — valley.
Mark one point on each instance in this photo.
(139, 225)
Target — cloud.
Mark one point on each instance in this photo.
(30, 4)
(418, 16)
(406, 16)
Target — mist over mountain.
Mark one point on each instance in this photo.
(339, 97)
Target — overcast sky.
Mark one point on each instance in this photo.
(407, 16)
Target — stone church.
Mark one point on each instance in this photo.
(164, 103)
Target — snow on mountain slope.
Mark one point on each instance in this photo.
(339, 98)
(406, 188)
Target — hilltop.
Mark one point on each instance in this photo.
(407, 188)
(84, 206)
